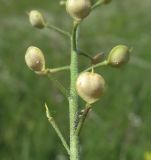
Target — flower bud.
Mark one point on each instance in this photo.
(34, 59)
(119, 56)
(78, 9)
(36, 19)
(90, 86)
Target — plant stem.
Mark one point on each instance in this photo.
(82, 119)
(59, 30)
(104, 63)
(80, 52)
(62, 89)
(49, 73)
(97, 4)
(54, 70)
(73, 99)
(56, 128)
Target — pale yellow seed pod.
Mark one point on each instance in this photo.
(90, 86)
(36, 19)
(34, 59)
(119, 56)
(78, 9)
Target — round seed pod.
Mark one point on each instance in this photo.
(36, 19)
(34, 59)
(78, 9)
(119, 56)
(90, 86)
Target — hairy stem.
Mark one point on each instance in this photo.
(73, 99)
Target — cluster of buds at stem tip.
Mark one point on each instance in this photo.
(78, 9)
(36, 19)
(90, 86)
(119, 56)
(35, 59)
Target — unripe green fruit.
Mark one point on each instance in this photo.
(78, 9)
(36, 19)
(90, 86)
(119, 56)
(34, 59)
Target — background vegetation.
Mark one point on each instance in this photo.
(118, 128)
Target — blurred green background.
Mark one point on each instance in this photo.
(118, 128)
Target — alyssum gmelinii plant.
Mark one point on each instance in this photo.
(87, 84)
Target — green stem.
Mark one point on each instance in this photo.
(49, 72)
(80, 52)
(58, 84)
(97, 4)
(54, 70)
(56, 128)
(104, 63)
(59, 30)
(82, 119)
(73, 99)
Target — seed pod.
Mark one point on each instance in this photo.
(34, 59)
(90, 86)
(36, 19)
(78, 9)
(119, 56)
